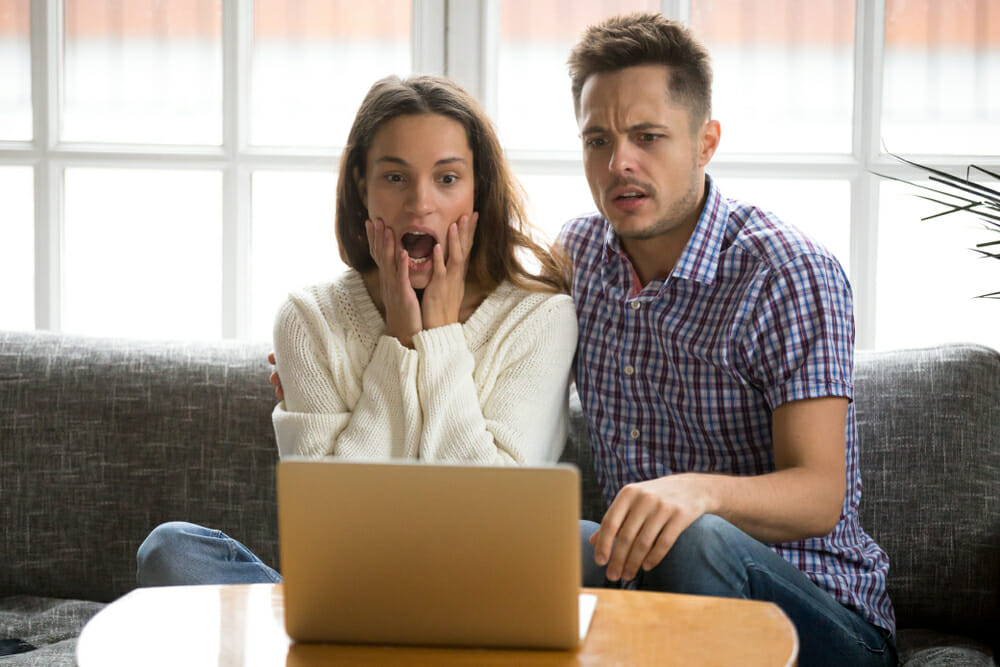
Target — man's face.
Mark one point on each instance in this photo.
(644, 164)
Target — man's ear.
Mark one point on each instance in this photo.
(708, 141)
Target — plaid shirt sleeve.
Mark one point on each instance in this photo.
(801, 339)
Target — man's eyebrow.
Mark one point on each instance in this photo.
(644, 127)
(638, 127)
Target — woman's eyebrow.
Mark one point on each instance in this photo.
(392, 159)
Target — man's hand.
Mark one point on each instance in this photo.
(275, 380)
(644, 521)
(442, 300)
(402, 308)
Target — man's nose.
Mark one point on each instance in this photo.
(623, 157)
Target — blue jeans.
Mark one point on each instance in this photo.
(714, 557)
(181, 554)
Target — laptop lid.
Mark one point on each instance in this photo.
(415, 553)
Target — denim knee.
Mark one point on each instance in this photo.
(160, 551)
(707, 539)
(704, 560)
(591, 574)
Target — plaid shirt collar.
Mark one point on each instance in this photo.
(699, 261)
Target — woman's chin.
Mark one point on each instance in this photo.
(419, 281)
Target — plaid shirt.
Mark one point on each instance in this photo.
(682, 374)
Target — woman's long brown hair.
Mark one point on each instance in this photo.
(502, 231)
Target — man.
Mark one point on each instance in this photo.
(714, 364)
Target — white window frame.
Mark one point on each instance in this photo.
(457, 38)
(236, 159)
(472, 29)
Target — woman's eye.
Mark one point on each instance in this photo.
(448, 179)
(394, 178)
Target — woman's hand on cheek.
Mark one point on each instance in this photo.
(442, 300)
(402, 308)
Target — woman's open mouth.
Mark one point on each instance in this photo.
(419, 246)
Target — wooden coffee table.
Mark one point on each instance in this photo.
(192, 626)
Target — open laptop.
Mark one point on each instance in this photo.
(415, 553)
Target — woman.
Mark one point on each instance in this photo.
(437, 344)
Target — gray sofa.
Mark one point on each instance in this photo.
(103, 439)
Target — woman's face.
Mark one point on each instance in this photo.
(419, 180)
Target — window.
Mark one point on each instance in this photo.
(15, 71)
(188, 149)
(185, 154)
(17, 248)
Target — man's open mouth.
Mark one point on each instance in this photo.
(630, 195)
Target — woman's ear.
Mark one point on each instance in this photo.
(359, 181)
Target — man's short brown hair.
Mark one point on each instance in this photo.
(646, 39)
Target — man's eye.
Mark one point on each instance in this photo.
(647, 137)
(594, 142)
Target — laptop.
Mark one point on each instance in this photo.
(428, 554)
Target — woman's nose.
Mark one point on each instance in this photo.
(421, 199)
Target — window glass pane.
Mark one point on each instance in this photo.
(17, 249)
(143, 71)
(929, 276)
(555, 198)
(534, 102)
(784, 73)
(294, 244)
(143, 253)
(15, 71)
(820, 208)
(314, 60)
(942, 77)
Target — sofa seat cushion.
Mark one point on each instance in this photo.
(41, 632)
(929, 648)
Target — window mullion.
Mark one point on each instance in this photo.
(868, 49)
(677, 9)
(428, 36)
(237, 32)
(469, 48)
(46, 101)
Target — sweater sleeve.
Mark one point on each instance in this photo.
(519, 413)
(336, 404)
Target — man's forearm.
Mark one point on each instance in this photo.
(782, 506)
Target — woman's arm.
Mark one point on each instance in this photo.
(518, 413)
(337, 401)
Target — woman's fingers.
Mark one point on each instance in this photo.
(468, 232)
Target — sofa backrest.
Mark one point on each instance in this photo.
(929, 428)
(103, 439)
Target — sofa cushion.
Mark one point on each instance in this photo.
(929, 427)
(43, 630)
(927, 648)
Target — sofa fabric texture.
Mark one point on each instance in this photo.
(103, 439)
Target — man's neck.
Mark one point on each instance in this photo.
(654, 258)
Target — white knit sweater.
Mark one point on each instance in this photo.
(492, 390)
